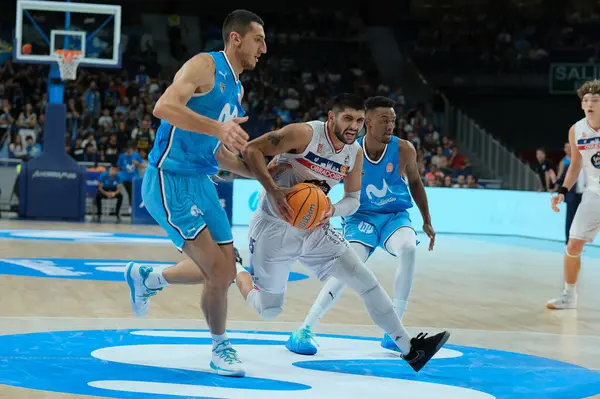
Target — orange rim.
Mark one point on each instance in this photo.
(68, 55)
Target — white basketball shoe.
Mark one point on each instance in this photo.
(565, 301)
(136, 276)
(225, 360)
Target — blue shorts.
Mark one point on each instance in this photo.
(185, 205)
(373, 229)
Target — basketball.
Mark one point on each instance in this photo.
(27, 49)
(309, 203)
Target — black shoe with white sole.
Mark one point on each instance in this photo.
(423, 348)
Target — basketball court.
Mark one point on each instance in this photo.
(67, 330)
(67, 327)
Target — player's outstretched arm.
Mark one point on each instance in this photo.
(199, 71)
(408, 156)
(229, 161)
(352, 185)
(293, 138)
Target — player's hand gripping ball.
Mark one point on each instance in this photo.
(309, 204)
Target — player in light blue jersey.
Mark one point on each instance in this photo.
(200, 111)
(389, 172)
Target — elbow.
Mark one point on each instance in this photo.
(159, 110)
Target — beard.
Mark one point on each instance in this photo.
(246, 61)
(340, 135)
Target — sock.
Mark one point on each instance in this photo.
(328, 296)
(156, 280)
(217, 339)
(403, 280)
(571, 289)
(354, 273)
(382, 312)
(400, 307)
(403, 245)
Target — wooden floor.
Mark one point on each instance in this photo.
(490, 293)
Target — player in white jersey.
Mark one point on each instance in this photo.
(390, 181)
(324, 153)
(584, 138)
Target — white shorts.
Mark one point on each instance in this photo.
(586, 223)
(276, 245)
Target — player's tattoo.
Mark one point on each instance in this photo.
(275, 137)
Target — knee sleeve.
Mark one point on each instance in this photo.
(268, 306)
(404, 239)
(350, 270)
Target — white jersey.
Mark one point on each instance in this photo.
(320, 164)
(588, 144)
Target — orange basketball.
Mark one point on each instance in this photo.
(26, 48)
(309, 203)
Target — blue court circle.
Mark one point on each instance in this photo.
(62, 362)
(83, 269)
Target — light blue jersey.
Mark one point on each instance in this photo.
(184, 152)
(177, 190)
(384, 200)
(383, 189)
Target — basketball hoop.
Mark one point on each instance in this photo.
(68, 61)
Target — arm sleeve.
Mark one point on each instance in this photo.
(347, 205)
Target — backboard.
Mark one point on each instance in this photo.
(42, 27)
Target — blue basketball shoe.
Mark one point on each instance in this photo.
(388, 343)
(301, 342)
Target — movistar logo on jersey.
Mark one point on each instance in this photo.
(379, 196)
(228, 113)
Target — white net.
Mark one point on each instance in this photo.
(68, 61)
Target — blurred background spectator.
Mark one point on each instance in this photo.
(474, 83)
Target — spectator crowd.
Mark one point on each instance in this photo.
(523, 38)
(109, 113)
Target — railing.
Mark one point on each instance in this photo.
(515, 174)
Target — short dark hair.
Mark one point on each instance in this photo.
(346, 100)
(378, 102)
(239, 21)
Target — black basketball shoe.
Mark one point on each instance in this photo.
(422, 349)
(238, 258)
